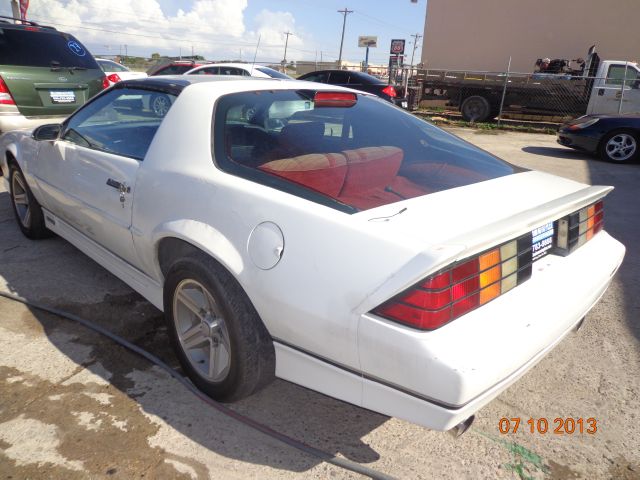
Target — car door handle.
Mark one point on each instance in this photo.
(121, 187)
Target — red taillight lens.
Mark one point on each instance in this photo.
(113, 78)
(334, 99)
(5, 94)
(462, 287)
(390, 90)
(105, 83)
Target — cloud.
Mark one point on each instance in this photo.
(213, 28)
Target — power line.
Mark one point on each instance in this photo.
(344, 13)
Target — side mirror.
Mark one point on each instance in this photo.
(47, 132)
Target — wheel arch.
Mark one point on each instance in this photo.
(181, 238)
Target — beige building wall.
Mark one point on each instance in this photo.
(482, 34)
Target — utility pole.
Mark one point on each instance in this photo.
(191, 52)
(286, 43)
(415, 46)
(344, 12)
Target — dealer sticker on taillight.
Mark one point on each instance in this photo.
(542, 240)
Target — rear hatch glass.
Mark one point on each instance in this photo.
(47, 72)
(354, 157)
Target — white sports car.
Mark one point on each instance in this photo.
(319, 235)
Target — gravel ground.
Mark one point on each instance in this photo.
(74, 405)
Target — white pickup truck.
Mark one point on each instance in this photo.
(603, 86)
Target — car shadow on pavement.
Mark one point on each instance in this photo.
(556, 152)
(117, 412)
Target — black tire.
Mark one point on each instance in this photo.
(251, 360)
(476, 108)
(26, 208)
(620, 146)
(160, 104)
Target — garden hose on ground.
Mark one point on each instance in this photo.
(324, 456)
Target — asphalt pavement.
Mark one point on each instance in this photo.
(75, 405)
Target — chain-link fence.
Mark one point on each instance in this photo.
(554, 97)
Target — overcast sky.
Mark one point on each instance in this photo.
(226, 29)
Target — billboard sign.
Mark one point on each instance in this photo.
(397, 47)
(368, 41)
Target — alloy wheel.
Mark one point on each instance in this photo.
(202, 330)
(621, 147)
(21, 199)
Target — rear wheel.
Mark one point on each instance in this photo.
(217, 334)
(25, 206)
(620, 146)
(476, 108)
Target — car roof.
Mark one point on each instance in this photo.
(174, 84)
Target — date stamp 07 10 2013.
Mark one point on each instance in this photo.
(559, 426)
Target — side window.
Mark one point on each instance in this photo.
(230, 71)
(208, 71)
(317, 77)
(616, 74)
(122, 122)
(339, 78)
(174, 70)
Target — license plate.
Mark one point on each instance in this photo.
(60, 96)
(542, 240)
(405, 104)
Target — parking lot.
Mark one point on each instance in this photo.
(75, 405)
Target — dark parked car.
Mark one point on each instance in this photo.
(615, 138)
(45, 75)
(359, 81)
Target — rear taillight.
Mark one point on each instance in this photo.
(472, 282)
(390, 90)
(462, 287)
(5, 94)
(113, 78)
(576, 229)
(105, 83)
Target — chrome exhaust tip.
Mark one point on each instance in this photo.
(462, 427)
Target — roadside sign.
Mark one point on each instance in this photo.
(397, 47)
(368, 41)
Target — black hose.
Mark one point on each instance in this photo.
(324, 456)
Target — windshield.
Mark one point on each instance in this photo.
(40, 48)
(273, 73)
(351, 157)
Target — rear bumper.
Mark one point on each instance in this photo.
(440, 378)
(16, 121)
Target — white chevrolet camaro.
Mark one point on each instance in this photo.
(319, 235)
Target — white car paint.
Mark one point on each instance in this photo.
(335, 267)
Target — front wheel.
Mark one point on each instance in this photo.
(620, 147)
(217, 334)
(25, 206)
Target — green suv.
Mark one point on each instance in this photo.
(45, 75)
